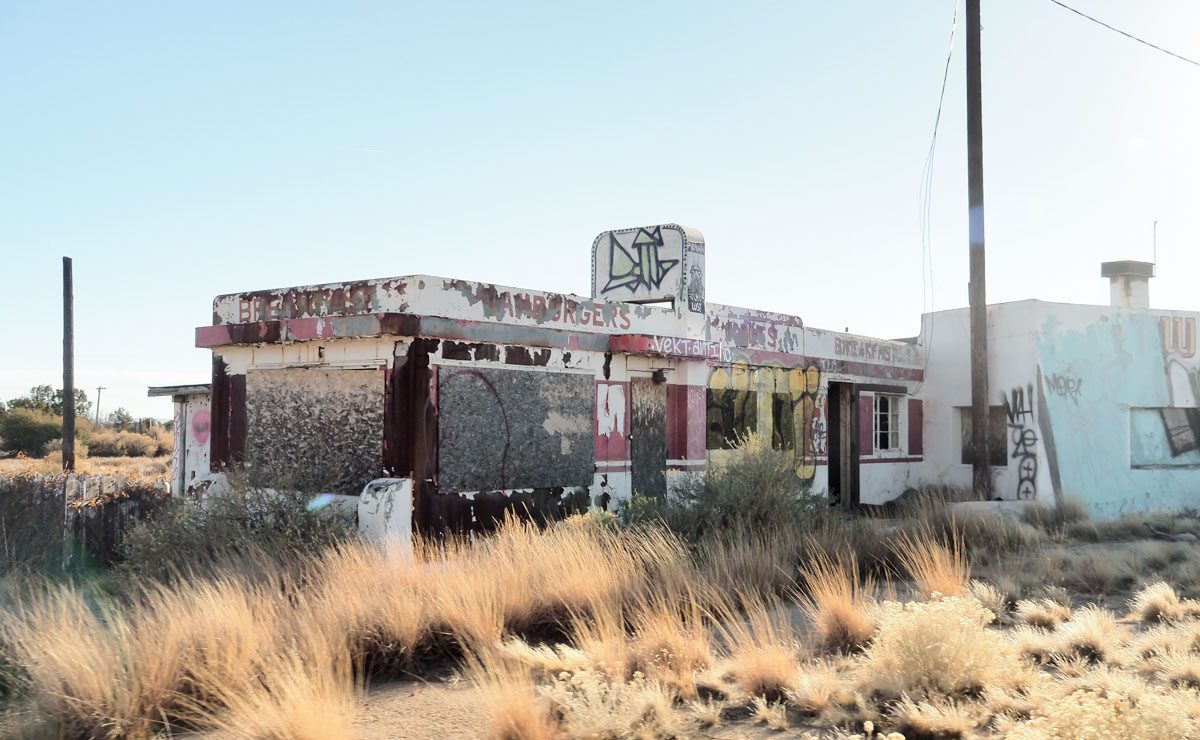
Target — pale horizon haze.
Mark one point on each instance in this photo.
(177, 151)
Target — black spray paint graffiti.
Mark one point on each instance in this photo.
(1065, 386)
(1019, 408)
(640, 267)
(695, 289)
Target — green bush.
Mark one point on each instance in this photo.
(240, 524)
(28, 431)
(757, 489)
(111, 443)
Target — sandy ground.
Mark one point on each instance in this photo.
(416, 710)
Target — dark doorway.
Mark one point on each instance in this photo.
(648, 436)
(843, 445)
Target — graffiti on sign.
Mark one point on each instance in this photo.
(647, 264)
(695, 289)
(1065, 386)
(640, 265)
(1018, 407)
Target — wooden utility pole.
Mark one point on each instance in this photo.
(981, 464)
(68, 442)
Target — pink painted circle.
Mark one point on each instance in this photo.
(200, 426)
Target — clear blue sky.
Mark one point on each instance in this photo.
(181, 150)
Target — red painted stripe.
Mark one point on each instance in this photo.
(866, 425)
(916, 427)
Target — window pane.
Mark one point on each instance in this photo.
(731, 414)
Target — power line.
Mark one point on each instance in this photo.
(925, 197)
(1125, 33)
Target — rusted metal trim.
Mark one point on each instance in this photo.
(305, 329)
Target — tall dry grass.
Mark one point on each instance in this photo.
(838, 601)
(181, 654)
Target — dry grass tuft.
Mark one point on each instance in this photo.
(305, 692)
(818, 687)
(1178, 669)
(1033, 642)
(708, 712)
(1157, 602)
(938, 718)
(763, 650)
(1042, 613)
(1092, 633)
(773, 715)
(991, 598)
(939, 566)
(838, 602)
(515, 709)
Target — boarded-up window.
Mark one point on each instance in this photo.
(501, 429)
(997, 436)
(314, 430)
(732, 414)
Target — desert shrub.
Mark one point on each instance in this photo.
(54, 447)
(598, 704)
(1102, 704)
(28, 431)
(111, 443)
(641, 509)
(758, 488)
(164, 439)
(938, 647)
(198, 536)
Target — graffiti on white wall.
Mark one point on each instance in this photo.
(1018, 408)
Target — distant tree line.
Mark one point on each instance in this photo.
(32, 425)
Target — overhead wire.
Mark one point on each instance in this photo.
(1126, 34)
(925, 199)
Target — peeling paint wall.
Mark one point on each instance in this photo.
(315, 429)
(503, 429)
(193, 428)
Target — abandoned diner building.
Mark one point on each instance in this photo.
(480, 397)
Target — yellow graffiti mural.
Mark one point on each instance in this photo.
(794, 409)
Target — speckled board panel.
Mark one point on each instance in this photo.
(314, 429)
(503, 429)
(648, 442)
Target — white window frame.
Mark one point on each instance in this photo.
(896, 432)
